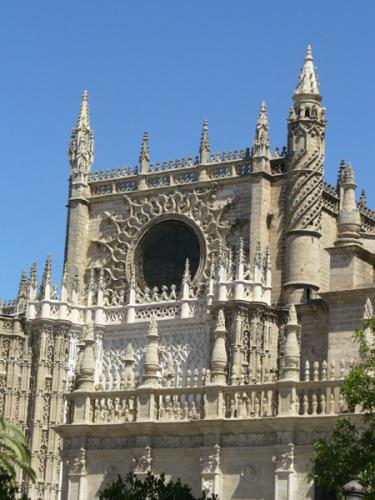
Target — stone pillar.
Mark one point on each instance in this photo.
(219, 358)
(349, 219)
(292, 356)
(151, 361)
(77, 476)
(211, 475)
(285, 475)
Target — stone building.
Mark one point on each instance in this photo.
(204, 320)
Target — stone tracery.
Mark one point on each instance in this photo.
(201, 208)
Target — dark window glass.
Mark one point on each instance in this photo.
(163, 251)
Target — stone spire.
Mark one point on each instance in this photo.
(219, 358)
(144, 157)
(308, 80)
(204, 147)
(46, 280)
(363, 199)
(22, 288)
(33, 282)
(349, 219)
(261, 145)
(306, 150)
(87, 365)
(81, 146)
(291, 359)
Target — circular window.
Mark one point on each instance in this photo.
(162, 253)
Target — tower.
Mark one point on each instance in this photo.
(81, 157)
(306, 129)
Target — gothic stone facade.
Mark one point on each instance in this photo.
(204, 321)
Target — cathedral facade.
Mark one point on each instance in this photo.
(204, 321)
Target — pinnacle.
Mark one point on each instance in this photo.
(349, 176)
(309, 55)
(292, 316)
(145, 149)
(308, 80)
(261, 144)
(204, 146)
(83, 121)
(363, 199)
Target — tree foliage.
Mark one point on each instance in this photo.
(14, 451)
(351, 450)
(8, 487)
(152, 488)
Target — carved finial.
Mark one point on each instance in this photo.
(340, 176)
(64, 279)
(83, 120)
(348, 176)
(220, 321)
(258, 256)
(81, 146)
(292, 316)
(128, 375)
(47, 270)
(241, 252)
(153, 328)
(363, 199)
(267, 259)
(261, 145)
(133, 282)
(349, 219)
(33, 276)
(75, 283)
(46, 279)
(151, 359)
(87, 365)
(308, 80)
(22, 288)
(186, 278)
(291, 357)
(91, 284)
(101, 282)
(368, 310)
(204, 147)
(219, 358)
(129, 353)
(144, 157)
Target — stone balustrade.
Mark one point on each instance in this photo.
(167, 404)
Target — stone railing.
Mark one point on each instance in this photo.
(178, 172)
(10, 307)
(154, 403)
(107, 315)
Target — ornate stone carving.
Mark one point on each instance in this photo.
(248, 474)
(211, 462)
(184, 347)
(77, 465)
(305, 188)
(285, 461)
(142, 463)
(199, 207)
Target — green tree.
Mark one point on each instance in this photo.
(14, 452)
(152, 488)
(351, 450)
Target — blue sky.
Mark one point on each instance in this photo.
(163, 66)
